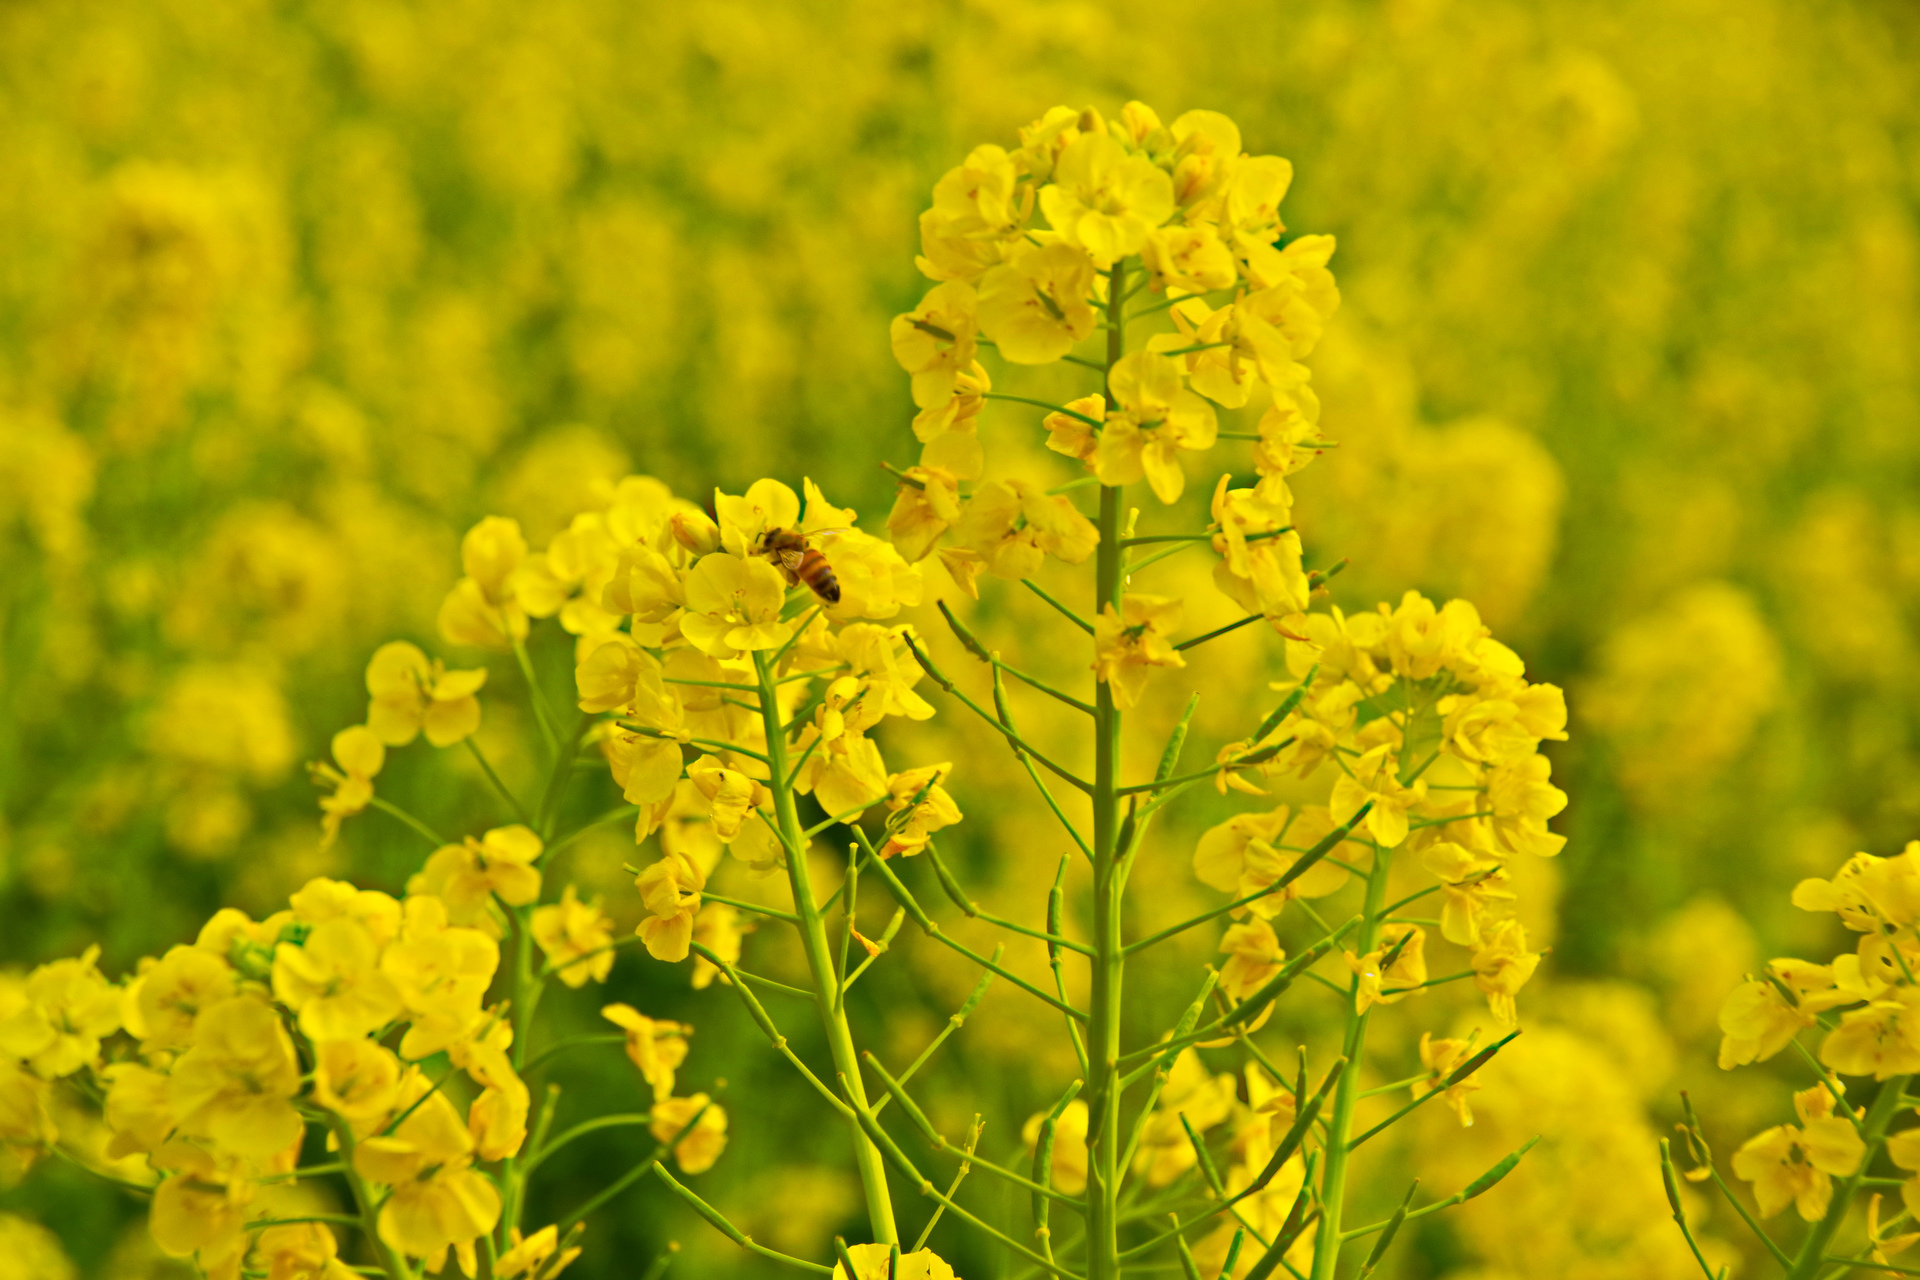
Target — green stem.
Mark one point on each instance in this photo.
(486, 768)
(390, 1258)
(1807, 1263)
(534, 697)
(393, 810)
(826, 986)
(523, 996)
(1104, 1087)
(1333, 1184)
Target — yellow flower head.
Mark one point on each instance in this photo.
(1788, 1164)
(202, 1209)
(875, 1262)
(1038, 303)
(1757, 1021)
(1104, 199)
(438, 1200)
(235, 1085)
(1254, 955)
(733, 606)
(1193, 259)
(577, 938)
(1250, 851)
(1441, 1058)
(333, 981)
(920, 805)
(1393, 970)
(1260, 567)
(1207, 144)
(1130, 642)
(1073, 432)
(1374, 779)
(301, 1251)
(411, 694)
(360, 755)
(928, 500)
(56, 1022)
(1881, 1039)
(657, 1047)
(138, 1109)
(973, 219)
(483, 609)
(164, 1001)
(1476, 889)
(441, 974)
(1156, 418)
(1502, 966)
(358, 1079)
(322, 899)
(954, 423)
(670, 890)
(718, 928)
(700, 1145)
(535, 1257)
(935, 341)
(1013, 526)
(26, 1118)
(466, 875)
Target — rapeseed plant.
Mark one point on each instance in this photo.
(733, 663)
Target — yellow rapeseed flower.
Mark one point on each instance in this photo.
(438, 1200)
(482, 609)
(703, 1143)
(1129, 642)
(935, 341)
(235, 1085)
(412, 694)
(60, 1016)
(360, 755)
(1038, 303)
(1104, 199)
(534, 1255)
(657, 1047)
(670, 890)
(577, 938)
(466, 876)
(733, 606)
(1796, 1165)
(1155, 418)
(332, 980)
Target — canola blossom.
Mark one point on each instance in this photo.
(1004, 676)
(737, 666)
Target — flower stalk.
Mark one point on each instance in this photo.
(820, 961)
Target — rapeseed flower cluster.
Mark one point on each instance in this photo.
(214, 1062)
(300, 293)
(1857, 1009)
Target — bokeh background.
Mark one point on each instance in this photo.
(291, 293)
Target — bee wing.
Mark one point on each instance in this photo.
(790, 558)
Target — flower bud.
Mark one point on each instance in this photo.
(695, 531)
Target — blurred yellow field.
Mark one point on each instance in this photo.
(439, 440)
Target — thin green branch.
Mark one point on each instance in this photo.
(719, 1222)
(1217, 632)
(1069, 614)
(954, 1023)
(513, 801)
(1043, 404)
(395, 811)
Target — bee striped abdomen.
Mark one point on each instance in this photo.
(818, 575)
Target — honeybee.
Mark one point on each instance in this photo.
(801, 562)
